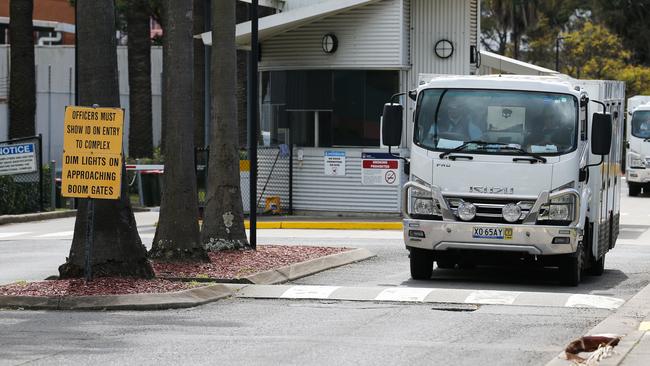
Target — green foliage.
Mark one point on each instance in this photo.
(637, 79)
(593, 52)
(18, 196)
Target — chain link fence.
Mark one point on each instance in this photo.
(274, 179)
(25, 184)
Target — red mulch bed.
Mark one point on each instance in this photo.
(98, 286)
(241, 263)
(227, 265)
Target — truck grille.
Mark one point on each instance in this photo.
(489, 210)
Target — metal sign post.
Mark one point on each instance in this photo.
(92, 161)
(90, 224)
(252, 122)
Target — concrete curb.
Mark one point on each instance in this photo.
(13, 219)
(328, 225)
(173, 300)
(310, 267)
(50, 215)
(624, 322)
(183, 299)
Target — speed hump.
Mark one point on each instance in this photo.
(92, 152)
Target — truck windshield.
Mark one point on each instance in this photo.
(641, 124)
(533, 122)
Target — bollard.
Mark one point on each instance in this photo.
(53, 185)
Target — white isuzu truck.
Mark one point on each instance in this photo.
(637, 172)
(525, 168)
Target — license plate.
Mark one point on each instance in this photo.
(482, 232)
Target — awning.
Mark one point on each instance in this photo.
(57, 26)
(509, 65)
(282, 22)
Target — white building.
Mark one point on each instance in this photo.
(328, 67)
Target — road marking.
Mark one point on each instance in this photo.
(56, 235)
(403, 294)
(644, 326)
(593, 301)
(9, 235)
(624, 214)
(309, 292)
(492, 297)
(636, 230)
(428, 296)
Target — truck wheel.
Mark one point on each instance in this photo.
(571, 268)
(634, 189)
(421, 264)
(597, 266)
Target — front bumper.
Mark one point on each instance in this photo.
(449, 233)
(530, 239)
(637, 175)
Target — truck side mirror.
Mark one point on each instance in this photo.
(391, 129)
(601, 134)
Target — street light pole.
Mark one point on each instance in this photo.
(557, 53)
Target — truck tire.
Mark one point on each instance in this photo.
(634, 189)
(597, 266)
(421, 264)
(571, 268)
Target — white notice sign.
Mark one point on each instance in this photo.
(379, 169)
(17, 159)
(334, 162)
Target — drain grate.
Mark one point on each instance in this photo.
(455, 307)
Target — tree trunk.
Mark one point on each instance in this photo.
(140, 127)
(117, 249)
(200, 8)
(22, 81)
(223, 227)
(177, 235)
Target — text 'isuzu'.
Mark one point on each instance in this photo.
(525, 168)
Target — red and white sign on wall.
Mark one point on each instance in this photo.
(379, 169)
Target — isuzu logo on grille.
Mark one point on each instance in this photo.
(491, 190)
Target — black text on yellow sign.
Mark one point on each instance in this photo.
(97, 130)
(91, 176)
(92, 152)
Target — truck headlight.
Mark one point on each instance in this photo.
(558, 209)
(422, 203)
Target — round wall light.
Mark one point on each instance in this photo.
(329, 43)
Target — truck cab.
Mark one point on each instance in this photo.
(510, 168)
(637, 173)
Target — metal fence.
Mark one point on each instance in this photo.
(24, 181)
(274, 179)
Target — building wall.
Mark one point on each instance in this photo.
(55, 90)
(369, 38)
(51, 10)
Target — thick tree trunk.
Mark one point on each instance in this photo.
(200, 9)
(177, 236)
(117, 248)
(22, 83)
(140, 128)
(223, 227)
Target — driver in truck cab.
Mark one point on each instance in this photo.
(455, 123)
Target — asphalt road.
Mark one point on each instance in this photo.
(248, 331)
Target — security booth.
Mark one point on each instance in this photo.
(326, 70)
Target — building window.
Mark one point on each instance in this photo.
(325, 108)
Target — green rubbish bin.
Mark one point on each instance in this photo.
(151, 188)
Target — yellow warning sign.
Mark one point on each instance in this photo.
(92, 152)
